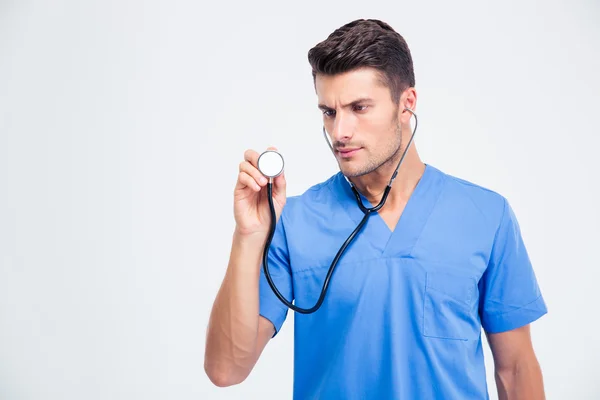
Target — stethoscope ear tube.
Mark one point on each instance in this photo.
(389, 186)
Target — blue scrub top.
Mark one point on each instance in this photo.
(403, 314)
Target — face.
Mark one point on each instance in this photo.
(361, 120)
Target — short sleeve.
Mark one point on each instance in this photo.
(509, 293)
(279, 269)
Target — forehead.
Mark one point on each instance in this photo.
(347, 86)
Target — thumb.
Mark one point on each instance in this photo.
(279, 183)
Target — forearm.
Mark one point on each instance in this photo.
(233, 325)
(521, 381)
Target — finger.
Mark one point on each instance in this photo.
(279, 183)
(251, 170)
(251, 156)
(247, 181)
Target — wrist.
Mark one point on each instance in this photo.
(247, 251)
(251, 238)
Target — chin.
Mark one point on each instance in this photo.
(352, 171)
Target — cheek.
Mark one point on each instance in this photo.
(379, 119)
(381, 130)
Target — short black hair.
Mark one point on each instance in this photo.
(366, 43)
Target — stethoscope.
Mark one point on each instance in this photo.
(270, 164)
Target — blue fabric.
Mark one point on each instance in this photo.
(404, 312)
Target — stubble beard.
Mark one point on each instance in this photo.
(387, 158)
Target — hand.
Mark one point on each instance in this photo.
(250, 203)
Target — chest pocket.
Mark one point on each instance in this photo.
(450, 307)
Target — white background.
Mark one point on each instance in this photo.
(122, 124)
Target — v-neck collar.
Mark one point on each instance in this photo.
(401, 240)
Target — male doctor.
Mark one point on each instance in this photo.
(443, 259)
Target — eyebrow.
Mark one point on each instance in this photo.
(354, 102)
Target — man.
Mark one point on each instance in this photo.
(442, 259)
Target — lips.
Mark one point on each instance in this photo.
(348, 152)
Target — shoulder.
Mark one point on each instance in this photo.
(471, 197)
(317, 198)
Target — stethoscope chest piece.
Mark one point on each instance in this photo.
(270, 164)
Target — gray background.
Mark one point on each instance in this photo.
(121, 127)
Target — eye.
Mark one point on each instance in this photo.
(360, 108)
(329, 113)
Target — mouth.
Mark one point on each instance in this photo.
(348, 152)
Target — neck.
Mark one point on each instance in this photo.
(373, 184)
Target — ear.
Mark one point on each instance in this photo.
(408, 99)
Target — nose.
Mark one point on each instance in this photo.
(342, 129)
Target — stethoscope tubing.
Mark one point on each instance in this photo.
(367, 212)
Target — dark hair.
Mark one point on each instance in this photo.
(366, 43)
